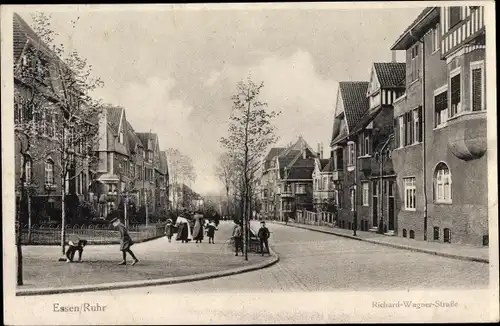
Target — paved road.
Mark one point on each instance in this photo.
(313, 261)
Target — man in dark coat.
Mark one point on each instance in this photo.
(263, 236)
(238, 238)
(125, 241)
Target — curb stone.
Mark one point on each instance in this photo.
(398, 246)
(273, 259)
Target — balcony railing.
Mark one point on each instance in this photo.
(462, 33)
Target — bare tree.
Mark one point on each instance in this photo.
(181, 171)
(54, 105)
(250, 133)
(224, 170)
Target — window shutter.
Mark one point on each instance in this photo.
(420, 125)
(406, 129)
(476, 89)
(396, 132)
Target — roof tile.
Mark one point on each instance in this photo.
(355, 101)
(391, 74)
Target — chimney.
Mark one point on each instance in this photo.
(303, 150)
(393, 53)
(321, 151)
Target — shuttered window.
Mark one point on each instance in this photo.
(396, 133)
(455, 94)
(417, 125)
(440, 109)
(477, 89)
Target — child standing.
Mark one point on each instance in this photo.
(211, 228)
(169, 230)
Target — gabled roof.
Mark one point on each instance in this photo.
(301, 169)
(417, 28)
(133, 140)
(144, 137)
(355, 101)
(286, 159)
(339, 130)
(329, 167)
(391, 74)
(323, 162)
(114, 116)
(22, 33)
(273, 152)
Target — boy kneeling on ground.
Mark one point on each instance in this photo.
(75, 245)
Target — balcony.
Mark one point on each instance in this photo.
(365, 163)
(463, 32)
(467, 138)
(338, 175)
(287, 194)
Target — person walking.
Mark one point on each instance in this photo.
(211, 228)
(125, 241)
(169, 230)
(237, 238)
(263, 236)
(198, 227)
(183, 229)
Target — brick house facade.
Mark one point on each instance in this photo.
(443, 176)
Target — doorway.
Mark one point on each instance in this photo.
(391, 207)
(375, 204)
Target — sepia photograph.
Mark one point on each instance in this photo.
(249, 163)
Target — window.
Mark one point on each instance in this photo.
(49, 172)
(417, 125)
(366, 193)
(49, 124)
(436, 233)
(412, 234)
(442, 181)
(409, 129)
(455, 94)
(301, 189)
(401, 131)
(325, 183)
(435, 38)
(351, 154)
(353, 199)
(414, 62)
(410, 194)
(477, 85)
(454, 15)
(366, 147)
(339, 159)
(27, 168)
(390, 185)
(404, 233)
(375, 187)
(447, 235)
(440, 109)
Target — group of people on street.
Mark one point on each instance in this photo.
(184, 233)
(263, 235)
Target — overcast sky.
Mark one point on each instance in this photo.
(174, 70)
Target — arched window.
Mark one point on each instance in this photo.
(49, 172)
(442, 184)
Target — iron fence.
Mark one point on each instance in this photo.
(94, 234)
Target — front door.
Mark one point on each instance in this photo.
(391, 214)
(375, 211)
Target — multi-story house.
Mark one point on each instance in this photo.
(268, 183)
(322, 186)
(39, 88)
(164, 184)
(352, 104)
(378, 203)
(295, 167)
(150, 190)
(114, 170)
(440, 128)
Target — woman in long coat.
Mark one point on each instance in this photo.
(183, 229)
(198, 228)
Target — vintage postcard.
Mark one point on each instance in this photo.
(249, 163)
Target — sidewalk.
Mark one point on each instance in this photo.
(462, 252)
(158, 259)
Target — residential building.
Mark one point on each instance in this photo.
(38, 91)
(440, 128)
(295, 167)
(268, 183)
(378, 204)
(322, 182)
(352, 104)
